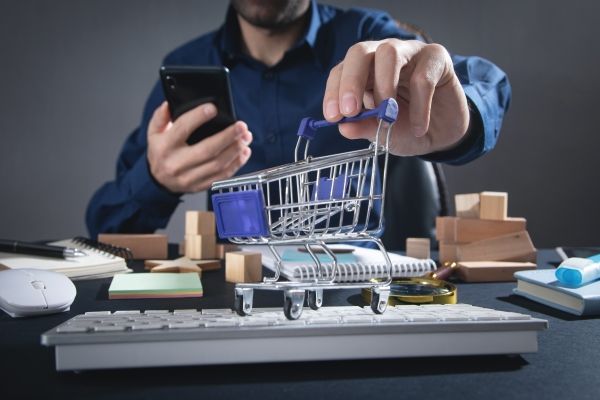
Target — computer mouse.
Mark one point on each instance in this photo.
(27, 292)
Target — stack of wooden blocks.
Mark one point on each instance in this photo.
(487, 245)
(201, 244)
(200, 239)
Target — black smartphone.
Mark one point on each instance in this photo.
(186, 87)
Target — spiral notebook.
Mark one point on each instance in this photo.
(100, 261)
(360, 265)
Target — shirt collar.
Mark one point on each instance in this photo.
(229, 40)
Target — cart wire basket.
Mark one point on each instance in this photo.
(312, 202)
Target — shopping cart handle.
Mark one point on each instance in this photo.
(387, 111)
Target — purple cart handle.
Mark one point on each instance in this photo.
(387, 111)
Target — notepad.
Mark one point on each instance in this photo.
(361, 265)
(151, 286)
(97, 263)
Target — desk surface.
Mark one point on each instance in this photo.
(567, 363)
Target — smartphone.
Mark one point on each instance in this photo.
(187, 87)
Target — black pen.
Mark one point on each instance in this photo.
(44, 250)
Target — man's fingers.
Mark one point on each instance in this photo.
(214, 145)
(427, 74)
(388, 63)
(221, 167)
(160, 119)
(364, 129)
(331, 103)
(355, 74)
(192, 120)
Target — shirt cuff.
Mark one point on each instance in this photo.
(475, 143)
(148, 193)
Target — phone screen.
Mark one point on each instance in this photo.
(187, 87)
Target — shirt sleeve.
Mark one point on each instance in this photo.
(486, 87)
(133, 202)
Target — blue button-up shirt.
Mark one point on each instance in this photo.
(273, 100)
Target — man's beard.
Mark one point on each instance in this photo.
(270, 14)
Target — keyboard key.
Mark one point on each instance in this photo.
(108, 328)
(126, 312)
(220, 324)
(146, 327)
(154, 312)
(182, 325)
(186, 311)
(96, 313)
(71, 329)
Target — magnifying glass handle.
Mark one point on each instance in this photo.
(442, 273)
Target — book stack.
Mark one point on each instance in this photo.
(487, 245)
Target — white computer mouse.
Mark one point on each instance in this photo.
(26, 292)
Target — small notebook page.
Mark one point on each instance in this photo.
(155, 285)
(369, 264)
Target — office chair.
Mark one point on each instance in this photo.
(416, 191)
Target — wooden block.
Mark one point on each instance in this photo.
(511, 247)
(142, 246)
(223, 248)
(448, 252)
(199, 223)
(418, 247)
(172, 268)
(200, 247)
(491, 271)
(467, 205)
(466, 230)
(493, 205)
(243, 266)
(183, 262)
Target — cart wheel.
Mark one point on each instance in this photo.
(242, 303)
(315, 298)
(292, 303)
(379, 299)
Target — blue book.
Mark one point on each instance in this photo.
(542, 286)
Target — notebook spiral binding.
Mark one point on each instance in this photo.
(104, 248)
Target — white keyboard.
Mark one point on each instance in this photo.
(133, 339)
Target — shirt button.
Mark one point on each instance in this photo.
(268, 75)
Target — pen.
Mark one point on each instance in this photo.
(44, 250)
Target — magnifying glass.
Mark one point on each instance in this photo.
(417, 291)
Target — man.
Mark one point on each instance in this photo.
(290, 59)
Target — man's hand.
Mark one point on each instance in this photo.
(182, 168)
(433, 112)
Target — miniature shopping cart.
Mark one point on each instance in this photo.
(313, 202)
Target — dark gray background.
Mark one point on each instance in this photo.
(74, 76)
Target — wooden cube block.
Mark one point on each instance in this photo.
(243, 266)
(199, 223)
(224, 248)
(142, 246)
(511, 247)
(466, 230)
(418, 247)
(491, 271)
(200, 247)
(493, 205)
(467, 205)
